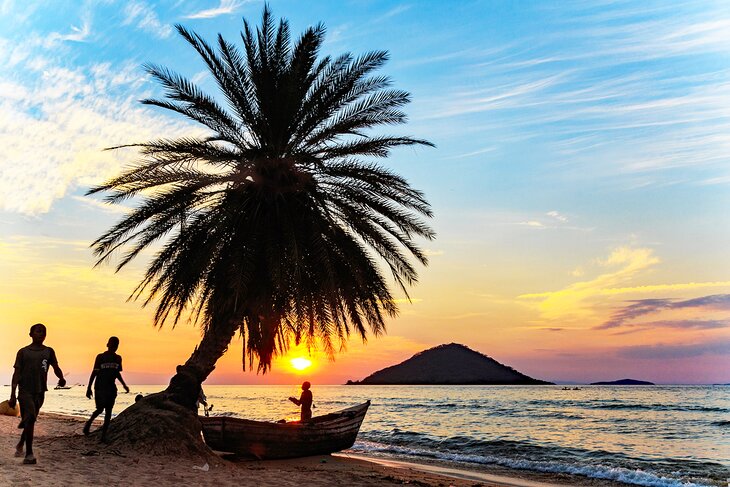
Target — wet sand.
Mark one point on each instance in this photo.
(85, 461)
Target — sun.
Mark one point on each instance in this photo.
(300, 363)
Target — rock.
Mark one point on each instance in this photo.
(624, 382)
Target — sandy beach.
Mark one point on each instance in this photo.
(66, 457)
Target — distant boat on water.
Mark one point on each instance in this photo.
(60, 388)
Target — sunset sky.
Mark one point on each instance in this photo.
(580, 180)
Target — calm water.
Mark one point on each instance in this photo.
(652, 436)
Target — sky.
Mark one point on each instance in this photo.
(580, 180)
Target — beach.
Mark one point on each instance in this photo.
(85, 461)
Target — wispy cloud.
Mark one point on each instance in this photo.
(649, 306)
(551, 220)
(645, 100)
(652, 288)
(199, 77)
(557, 216)
(531, 223)
(77, 34)
(693, 324)
(53, 132)
(675, 351)
(577, 299)
(582, 300)
(145, 18)
(225, 7)
(479, 152)
(395, 11)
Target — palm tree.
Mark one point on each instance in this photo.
(277, 224)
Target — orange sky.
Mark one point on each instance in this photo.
(551, 334)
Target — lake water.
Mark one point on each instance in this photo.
(651, 436)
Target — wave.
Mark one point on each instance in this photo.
(659, 407)
(558, 464)
(543, 457)
(618, 404)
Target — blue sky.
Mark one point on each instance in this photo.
(583, 148)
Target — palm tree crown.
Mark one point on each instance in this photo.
(277, 222)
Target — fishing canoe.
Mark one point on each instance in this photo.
(321, 435)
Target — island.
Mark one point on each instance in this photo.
(449, 364)
(624, 382)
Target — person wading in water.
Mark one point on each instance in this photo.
(305, 401)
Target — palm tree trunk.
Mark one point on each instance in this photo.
(185, 385)
(212, 347)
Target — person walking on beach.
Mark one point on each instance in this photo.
(30, 377)
(305, 401)
(107, 370)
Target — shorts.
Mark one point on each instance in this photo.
(105, 398)
(30, 406)
(306, 415)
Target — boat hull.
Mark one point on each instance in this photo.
(323, 434)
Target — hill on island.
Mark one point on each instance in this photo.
(624, 382)
(451, 364)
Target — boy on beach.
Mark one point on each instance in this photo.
(30, 377)
(107, 370)
(305, 401)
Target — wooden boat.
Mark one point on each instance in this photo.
(321, 435)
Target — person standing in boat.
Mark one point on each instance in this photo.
(30, 377)
(107, 370)
(305, 401)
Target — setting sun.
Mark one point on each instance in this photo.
(300, 363)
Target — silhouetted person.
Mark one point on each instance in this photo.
(31, 377)
(202, 399)
(107, 370)
(305, 401)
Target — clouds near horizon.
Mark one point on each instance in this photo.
(676, 351)
(579, 300)
(576, 301)
(643, 307)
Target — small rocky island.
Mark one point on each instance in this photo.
(624, 382)
(451, 364)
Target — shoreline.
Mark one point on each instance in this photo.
(485, 474)
(88, 462)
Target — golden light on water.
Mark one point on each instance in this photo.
(300, 363)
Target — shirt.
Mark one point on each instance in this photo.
(107, 366)
(306, 399)
(32, 363)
